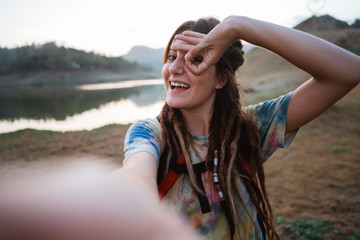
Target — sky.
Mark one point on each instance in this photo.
(113, 27)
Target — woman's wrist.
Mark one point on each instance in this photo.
(236, 26)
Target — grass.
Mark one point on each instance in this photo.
(30, 145)
(322, 167)
(307, 228)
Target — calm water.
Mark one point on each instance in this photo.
(82, 108)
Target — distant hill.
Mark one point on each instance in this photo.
(146, 57)
(322, 23)
(49, 64)
(264, 71)
(333, 30)
(51, 57)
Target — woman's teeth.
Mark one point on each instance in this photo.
(174, 84)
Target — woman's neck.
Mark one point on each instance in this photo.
(197, 122)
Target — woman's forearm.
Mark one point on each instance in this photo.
(86, 203)
(321, 59)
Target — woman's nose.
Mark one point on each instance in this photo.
(177, 67)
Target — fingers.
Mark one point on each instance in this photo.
(187, 40)
(203, 50)
(180, 45)
(191, 37)
(197, 59)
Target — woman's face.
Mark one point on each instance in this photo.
(185, 90)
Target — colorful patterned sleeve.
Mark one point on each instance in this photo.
(144, 136)
(270, 120)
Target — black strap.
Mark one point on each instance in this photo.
(199, 168)
(204, 201)
(230, 220)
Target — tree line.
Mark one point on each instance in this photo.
(51, 57)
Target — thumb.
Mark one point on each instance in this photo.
(196, 51)
(193, 52)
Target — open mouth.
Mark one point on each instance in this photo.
(174, 85)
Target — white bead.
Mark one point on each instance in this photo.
(221, 194)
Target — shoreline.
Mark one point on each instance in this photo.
(69, 78)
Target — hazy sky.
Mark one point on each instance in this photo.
(112, 27)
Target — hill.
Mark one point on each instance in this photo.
(264, 70)
(51, 57)
(52, 65)
(321, 23)
(147, 57)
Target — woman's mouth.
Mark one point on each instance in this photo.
(174, 85)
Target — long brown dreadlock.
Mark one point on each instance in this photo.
(232, 132)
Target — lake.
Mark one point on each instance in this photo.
(83, 107)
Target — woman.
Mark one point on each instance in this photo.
(203, 120)
(204, 153)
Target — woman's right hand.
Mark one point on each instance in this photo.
(85, 203)
(211, 46)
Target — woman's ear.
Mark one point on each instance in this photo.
(220, 83)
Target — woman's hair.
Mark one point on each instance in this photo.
(232, 132)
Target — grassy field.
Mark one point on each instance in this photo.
(314, 186)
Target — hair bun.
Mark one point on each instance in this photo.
(234, 56)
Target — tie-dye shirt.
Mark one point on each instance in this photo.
(270, 119)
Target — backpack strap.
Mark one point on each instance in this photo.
(180, 168)
(170, 179)
(165, 184)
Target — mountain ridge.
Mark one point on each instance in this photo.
(148, 57)
(264, 71)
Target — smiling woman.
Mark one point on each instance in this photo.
(205, 147)
(204, 153)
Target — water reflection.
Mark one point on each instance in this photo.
(121, 112)
(84, 107)
(122, 84)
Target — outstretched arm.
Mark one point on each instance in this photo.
(86, 202)
(334, 70)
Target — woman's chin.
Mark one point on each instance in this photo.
(174, 104)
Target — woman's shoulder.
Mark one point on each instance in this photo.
(148, 128)
(269, 107)
(147, 123)
(144, 136)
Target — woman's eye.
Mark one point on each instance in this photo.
(171, 57)
(197, 60)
